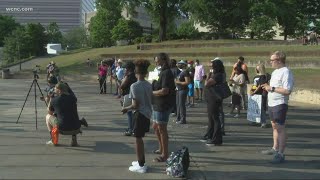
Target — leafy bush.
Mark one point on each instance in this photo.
(187, 31)
(126, 30)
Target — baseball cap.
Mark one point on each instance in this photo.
(182, 62)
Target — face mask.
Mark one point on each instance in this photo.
(189, 65)
(196, 64)
(158, 67)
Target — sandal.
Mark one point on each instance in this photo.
(157, 151)
(159, 159)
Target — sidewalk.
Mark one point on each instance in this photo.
(104, 153)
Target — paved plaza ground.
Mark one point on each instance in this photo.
(104, 153)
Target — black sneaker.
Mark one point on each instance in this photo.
(204, 139)
(211, 143)
(84, 122)
(127, 133)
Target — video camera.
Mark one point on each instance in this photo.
(35, 71)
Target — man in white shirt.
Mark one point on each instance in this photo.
(281, 85)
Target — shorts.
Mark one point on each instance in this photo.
(141, 124)
(198, 84)
(53, 121)
(278, 113)
(191, 90)
(161, 117)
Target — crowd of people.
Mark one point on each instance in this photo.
(172, 91)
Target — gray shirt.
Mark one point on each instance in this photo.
(141, 91)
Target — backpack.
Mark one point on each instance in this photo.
(178, 163)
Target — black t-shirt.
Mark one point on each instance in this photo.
(219, 78)
(181, 78)
(166, 80)
(175, 71)
(131, 79)
(261, 79)
(65, 108)
(191, 72)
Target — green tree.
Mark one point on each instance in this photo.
(263, 20)
(108, 14)
(37, 39)
(54, 34)
(7, 25)
(16, 46)
(126, 30)
(221, 16)
(76, 38)
(163, 12)
(187, 30)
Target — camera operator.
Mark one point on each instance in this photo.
(62, 112)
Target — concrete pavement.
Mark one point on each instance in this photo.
(104, 153)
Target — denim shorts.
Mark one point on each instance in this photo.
(198, 84)
(278, 113)
(161, 117)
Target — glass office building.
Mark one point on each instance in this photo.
(68, 14)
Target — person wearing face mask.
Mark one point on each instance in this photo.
(182, 82)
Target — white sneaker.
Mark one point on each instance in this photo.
(138, 169)
(136, 163)
(236, 116)
(228, 114)
(49, 142)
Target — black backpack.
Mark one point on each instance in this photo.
(178, 163)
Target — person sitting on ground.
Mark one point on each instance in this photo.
(141, 95)
(63, 113)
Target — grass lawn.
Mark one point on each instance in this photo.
(74, 62)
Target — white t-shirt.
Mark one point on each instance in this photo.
(280, 78)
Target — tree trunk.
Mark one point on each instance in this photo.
(163, 22)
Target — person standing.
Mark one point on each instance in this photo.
(128, 80)
(281, 86)
(175, 71)
(244, 67)
(102, 68)
(261, 78)
(216, 76)
(198, 79)
(141, 95)
(191, 71)
(163, 103)
(182, 82)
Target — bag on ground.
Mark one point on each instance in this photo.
(178, 163)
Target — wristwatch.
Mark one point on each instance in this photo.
(272, 89)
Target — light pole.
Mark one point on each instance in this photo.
(19, 55)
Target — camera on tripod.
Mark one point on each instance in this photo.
(36, 71)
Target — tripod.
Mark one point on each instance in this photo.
(34, 83)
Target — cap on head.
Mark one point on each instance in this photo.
(52, 62)
(190, 62)
(182, 62)
(216, 59)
